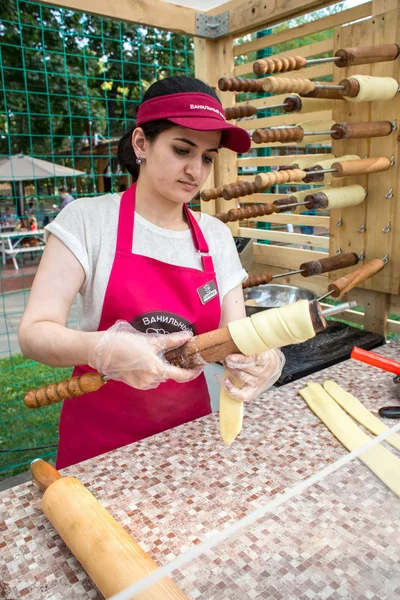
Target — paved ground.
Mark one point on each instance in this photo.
(12, 306)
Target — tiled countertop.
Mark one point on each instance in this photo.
(337, 540)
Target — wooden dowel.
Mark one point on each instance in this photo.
(368, 129)
(361, 167)
(348, 282)
(329, 94)
(367, 55)
(254, 280)
(331, 263)
(351, 87)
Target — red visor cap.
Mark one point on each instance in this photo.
(194, 111)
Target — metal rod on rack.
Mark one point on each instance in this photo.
(334, 310)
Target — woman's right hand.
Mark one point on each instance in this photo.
(137, 359)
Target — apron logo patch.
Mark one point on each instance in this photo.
(158, 321)
(207, 292)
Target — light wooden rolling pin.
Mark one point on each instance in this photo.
(111, 558)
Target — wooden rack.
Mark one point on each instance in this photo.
(374, 22)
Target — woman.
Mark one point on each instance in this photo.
(150, 273)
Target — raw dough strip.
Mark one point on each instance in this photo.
(378, 459)
(265, 330)
(230, 416)
(358, 411)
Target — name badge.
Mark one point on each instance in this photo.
(207, 292)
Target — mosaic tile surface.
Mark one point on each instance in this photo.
(338, 540)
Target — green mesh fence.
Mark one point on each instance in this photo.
(70, 84)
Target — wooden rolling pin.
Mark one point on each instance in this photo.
(346, 283)
(337, 131)
(307, 269)
(345, 57)
(213, 346)
(111, 558)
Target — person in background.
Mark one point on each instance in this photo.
(65, 197)
(8, 217)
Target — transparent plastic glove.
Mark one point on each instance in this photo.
(137, 359)
(248, 376)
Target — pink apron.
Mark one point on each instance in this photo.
(154, 297)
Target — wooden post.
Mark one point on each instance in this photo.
(376, 308)
(373, 226)
(214, 59)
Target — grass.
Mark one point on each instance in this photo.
(21, 427)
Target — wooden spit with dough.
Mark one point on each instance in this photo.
(213, 346)
(321, 130)
(265, 330)
(326, 199)
(357, 88)
(263, 181)
(345, 57)
(111, 558)
(307, 269)
(291, 104)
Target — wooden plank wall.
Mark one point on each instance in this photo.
(286, 250)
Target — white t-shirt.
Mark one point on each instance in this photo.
(88, 227)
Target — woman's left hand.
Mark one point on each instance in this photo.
(248, 376)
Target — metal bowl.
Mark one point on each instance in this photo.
(273, 295)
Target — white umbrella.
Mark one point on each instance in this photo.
(22, 168)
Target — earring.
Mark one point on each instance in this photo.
(140, 160)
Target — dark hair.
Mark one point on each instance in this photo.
(62, 189)
(164, 87)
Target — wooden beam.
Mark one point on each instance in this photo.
(288, 258)
(274, 161)
(259, 14)
(286, 119)
(322, 24)
(311, 241)
(376, 310)
(291, 219)
(151, 13)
